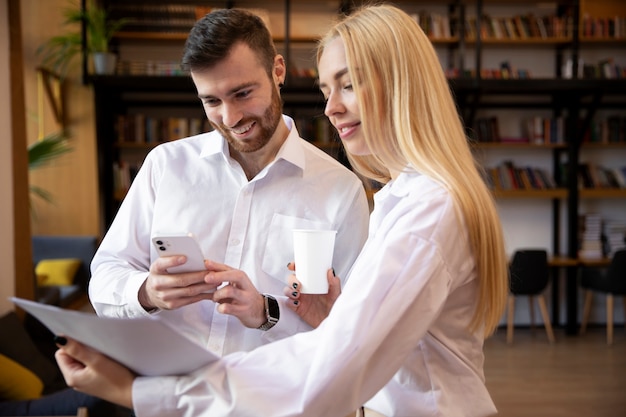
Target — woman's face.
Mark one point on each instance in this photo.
(342, 108)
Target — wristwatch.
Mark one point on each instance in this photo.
(272, 312)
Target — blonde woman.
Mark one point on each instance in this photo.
(405, 336)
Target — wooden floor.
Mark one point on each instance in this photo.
(578, 376)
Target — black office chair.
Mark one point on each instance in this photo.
(612, 281)
(529, 274)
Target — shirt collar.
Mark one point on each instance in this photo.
(292, 150)
(400, 186)
(403, 184)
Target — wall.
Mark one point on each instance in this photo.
(7, 287)
(72, 179)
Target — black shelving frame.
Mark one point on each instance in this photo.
(573, 97)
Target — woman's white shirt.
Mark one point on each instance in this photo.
(397, 336)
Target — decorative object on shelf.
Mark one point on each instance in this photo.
(104, 63)
(59, 51)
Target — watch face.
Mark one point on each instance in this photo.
(273, 309)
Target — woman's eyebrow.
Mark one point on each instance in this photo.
(337, 76)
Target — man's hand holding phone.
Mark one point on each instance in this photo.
(177, 277)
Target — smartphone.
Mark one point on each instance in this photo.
(183, 244)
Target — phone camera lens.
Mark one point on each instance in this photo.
(159, 242)
(161, 247)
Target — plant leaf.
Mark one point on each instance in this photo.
(41, 193)
(50, 147)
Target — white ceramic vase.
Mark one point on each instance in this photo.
(104, 63)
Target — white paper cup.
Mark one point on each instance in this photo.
(313, 253)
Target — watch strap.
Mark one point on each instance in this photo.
(272, 312)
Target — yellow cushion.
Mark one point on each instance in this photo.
(57, 271)
(41, 279)
(16, 382)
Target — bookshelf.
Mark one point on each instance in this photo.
(492, 70)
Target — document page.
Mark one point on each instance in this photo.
(147, 346)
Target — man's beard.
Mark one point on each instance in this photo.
(267, 125)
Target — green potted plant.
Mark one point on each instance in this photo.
(59, 51)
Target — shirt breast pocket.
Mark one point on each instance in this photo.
(279, 245)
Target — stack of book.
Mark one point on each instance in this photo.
(590, 231)
(615, 235)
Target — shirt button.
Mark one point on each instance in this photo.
(235, 242)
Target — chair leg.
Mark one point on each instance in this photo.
(509, 318)
(586, 311)
(531, 310)
(609, 319)
(546, 319)
(624, 305)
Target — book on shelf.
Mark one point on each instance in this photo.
(178, 128)
(173, 17)
(544, 130)
(518, 27)
(486, 129)
(603, 27)
(150, 67)
(611, 129)
(593, 176)
(470, 28)
(124, 173)
(510, 29)
(508, 176)
(144, 129)
(435, 25)
(619, 174)
(504, 72)
(605, 68)
(536, 130)
(323, 130)
(315, 128)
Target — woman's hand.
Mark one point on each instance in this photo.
(89, 371)
(312, 308)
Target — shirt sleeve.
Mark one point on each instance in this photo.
(121, 263)
(398, 288)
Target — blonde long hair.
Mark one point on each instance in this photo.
(409, 117)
